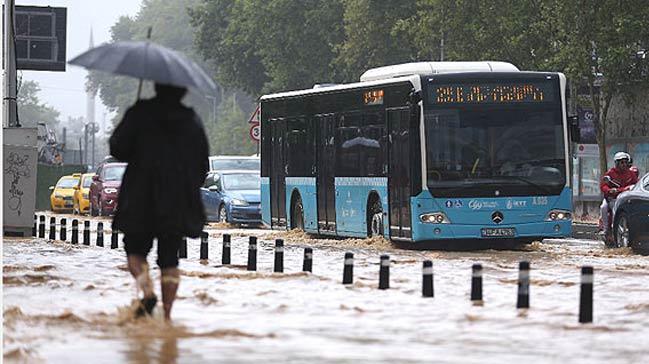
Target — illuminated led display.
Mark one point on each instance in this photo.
(373, 97)
(492, 93)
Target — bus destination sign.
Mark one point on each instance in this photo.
(373, 97)
(491, 93)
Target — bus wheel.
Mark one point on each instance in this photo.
(297, 215)
(375, 220)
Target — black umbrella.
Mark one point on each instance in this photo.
(146, 60)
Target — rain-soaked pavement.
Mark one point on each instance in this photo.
(71, 303)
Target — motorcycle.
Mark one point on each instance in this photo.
(608, 239)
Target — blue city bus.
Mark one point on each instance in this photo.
(419, 152)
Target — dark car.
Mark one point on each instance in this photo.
(232, 196)
(631, 217)
(104, 188)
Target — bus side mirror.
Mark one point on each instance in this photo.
(414, 97)
(573, 127)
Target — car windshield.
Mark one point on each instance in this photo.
(247, 181)
(114, 173)
(247, 164)
(87, 180)
(67, 183)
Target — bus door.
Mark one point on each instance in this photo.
(399, 172)
(278, 173)
(325, 173)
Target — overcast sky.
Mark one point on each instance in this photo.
(65, 90)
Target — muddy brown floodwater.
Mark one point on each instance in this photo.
(65, 303)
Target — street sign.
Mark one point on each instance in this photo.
(255, 117)
(255, 132)
(40, 38)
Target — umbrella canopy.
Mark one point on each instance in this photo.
(148, 61)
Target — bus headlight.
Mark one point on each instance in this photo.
(434, 218)
(558, 215)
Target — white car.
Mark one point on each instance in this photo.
(234, 162)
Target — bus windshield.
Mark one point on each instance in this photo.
(516, 149)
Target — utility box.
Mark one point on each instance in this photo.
(19, 166)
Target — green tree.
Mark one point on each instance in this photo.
(230, 135)
(30, 108)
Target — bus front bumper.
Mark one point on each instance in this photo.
(545, 229)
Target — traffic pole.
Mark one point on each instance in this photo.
(307, 265)
(476, 283)
(384, 272)
(279, 256)
(86, 232)
(182, 251)
(64, 231)
(114, 239)
(75, 231)
(523, 300)
(204, 245)
(34, 228)
(225, 258)
(41, 227)
(348, 270)
(252, 253)
(52, 228)
(586, 295)
(427, 286)
(100, 234)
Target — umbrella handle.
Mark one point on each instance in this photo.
(139, 86)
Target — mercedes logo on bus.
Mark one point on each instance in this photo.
(497, 217)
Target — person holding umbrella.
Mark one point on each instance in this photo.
(166, 149)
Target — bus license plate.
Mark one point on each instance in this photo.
(498, 232)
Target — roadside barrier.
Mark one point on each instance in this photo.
(252, 253)
(278, 267)
(348, 270)
(52, 228)
(476, 282)
(523, 300)
(100, 234)
(182, 251)
(204, 246)
(41, 227)
(114, 239)
(86, 232)
(384, 272)
(225, 257)
(307, 265)
(75, 231)
(586, 295)
(64, 231)
(427, 285)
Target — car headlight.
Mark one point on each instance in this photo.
(237, 202)
(434, 218)
(56, 195)
(110, 190)
(558, 215)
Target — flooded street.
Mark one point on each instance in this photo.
(71, 303)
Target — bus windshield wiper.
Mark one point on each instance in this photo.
(527, 181)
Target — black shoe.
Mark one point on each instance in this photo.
(146, 306)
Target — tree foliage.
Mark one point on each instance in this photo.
(31, 110)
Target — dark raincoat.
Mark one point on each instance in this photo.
(166, 150)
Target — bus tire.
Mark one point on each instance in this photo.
(374, 217)
(297, 213)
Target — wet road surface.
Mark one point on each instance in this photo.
(72, 303)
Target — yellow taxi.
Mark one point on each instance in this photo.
(80, 200)
(61, 199)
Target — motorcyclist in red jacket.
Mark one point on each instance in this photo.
(615, 181)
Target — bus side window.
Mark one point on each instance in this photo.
(373, 134)
(349, 145)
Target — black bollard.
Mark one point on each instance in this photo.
(86, 232)
(586, 295)
(307, 266)
(348, 271)
(34, 228)
(279, 256)
(204, 246)
(41, 227)
(384, 272)
(100, 234)
(252, 253)
(476, 283)
(182, 251)
(75, 231)
(114, 239)
(52, 228)
(64, 231)
(523, 300)
(225, 258)
(427, 287)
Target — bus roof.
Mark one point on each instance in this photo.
(431, 68)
